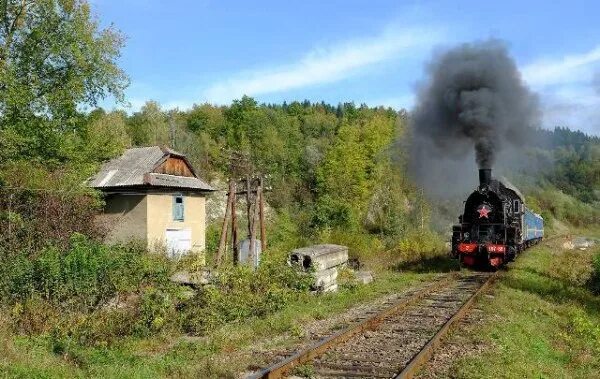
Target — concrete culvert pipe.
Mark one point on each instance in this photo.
(322, 261)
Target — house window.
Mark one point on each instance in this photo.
(178, 210)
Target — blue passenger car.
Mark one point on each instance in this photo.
(533, 226)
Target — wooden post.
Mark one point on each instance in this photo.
(234, 230)
(223, 239)
(261, 214)
(248, 205)
(226, 244)
(251, 218)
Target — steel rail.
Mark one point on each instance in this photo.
(280, 369)
(427, 351)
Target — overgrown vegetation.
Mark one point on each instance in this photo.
(91, 293)
(594, 280)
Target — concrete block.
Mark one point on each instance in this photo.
(320, 257)
(325, 278)
(322, 261)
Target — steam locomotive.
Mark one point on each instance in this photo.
(495, 226)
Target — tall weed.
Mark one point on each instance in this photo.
(240, 293)
(594, 281)
(84, 275)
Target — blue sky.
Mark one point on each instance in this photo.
(182, 52)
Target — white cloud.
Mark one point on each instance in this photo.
(406, 101)
(573, 106)
(566, 69)
(324, 65)
(566, 86)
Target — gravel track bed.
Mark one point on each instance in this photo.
(264, 352)
(389, 347)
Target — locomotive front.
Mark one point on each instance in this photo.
(489, 230)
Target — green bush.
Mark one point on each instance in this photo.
(594, 282)
(101, 327)
(90, 293)
(213, 236)
(241, 293)
(421, 242)
(156, 309)
(556, 204)
(94, 294)
(361, 245)
(88, 273)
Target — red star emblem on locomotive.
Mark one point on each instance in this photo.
(483, 211)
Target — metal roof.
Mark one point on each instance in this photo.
(135, 169)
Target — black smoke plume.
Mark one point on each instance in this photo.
(473, 99)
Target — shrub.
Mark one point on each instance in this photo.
(594, 281)
(100, 327)
(86, 274)
(573, 266)
(418, 244)
(35, 316)
(361, 246)
(90, 293)
(156, 309)
(213, 236)
(241, 293)
(34, 218)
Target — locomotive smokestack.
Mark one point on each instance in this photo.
(485, 176)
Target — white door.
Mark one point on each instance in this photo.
(179, 241)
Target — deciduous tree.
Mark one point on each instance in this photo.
(54, 58)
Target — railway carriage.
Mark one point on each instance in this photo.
(495, 225)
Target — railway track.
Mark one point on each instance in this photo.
(394, 342)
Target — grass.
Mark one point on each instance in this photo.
(542, 321)
(224, 352)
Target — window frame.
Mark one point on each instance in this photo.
(178, 205)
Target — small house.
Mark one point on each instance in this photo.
(154, 195)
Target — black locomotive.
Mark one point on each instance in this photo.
(495, 226)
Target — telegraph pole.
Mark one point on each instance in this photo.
(234, 230)
(261, 217)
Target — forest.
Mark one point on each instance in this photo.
(338, 174)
